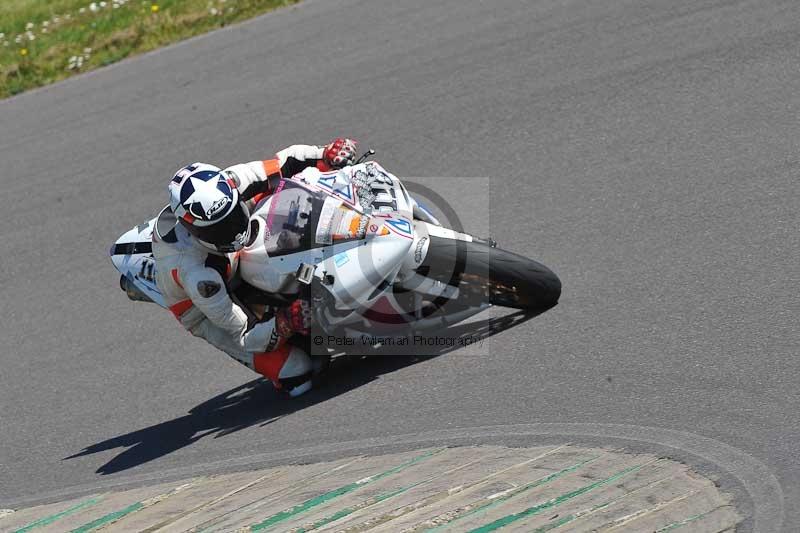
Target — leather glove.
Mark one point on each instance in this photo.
(340, 152)
(295, 318)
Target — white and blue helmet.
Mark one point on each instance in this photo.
(207, 204)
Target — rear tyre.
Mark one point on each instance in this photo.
(486, 274)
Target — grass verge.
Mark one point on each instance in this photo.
(42, 41)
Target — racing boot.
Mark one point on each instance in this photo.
(288, 367)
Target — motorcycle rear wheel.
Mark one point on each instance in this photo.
(483, 273)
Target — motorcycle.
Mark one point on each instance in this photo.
(368, 256)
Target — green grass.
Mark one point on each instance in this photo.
(71, 36)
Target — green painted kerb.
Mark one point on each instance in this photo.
(52, 518)
(486, 505)
(574, 516)
(502, 522)
(683, 522)
(349, 510)
(110, 517)
(331, 495)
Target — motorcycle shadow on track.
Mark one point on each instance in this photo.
(257, 402)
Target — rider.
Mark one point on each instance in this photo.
(196, 243)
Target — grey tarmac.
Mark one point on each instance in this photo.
(647, 151)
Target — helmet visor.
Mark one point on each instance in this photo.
(229, 234)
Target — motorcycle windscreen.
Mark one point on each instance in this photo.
(300, 219)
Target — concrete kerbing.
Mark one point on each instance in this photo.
(470, 488)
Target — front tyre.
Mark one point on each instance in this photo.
(486, 274)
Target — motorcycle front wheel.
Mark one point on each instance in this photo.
(483, 273)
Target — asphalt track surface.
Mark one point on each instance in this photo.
(647, 151)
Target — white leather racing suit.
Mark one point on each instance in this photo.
(194, 281)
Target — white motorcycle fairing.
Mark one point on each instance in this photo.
(316, 220)
(350, 233)
(132, 256)
(371, 261)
